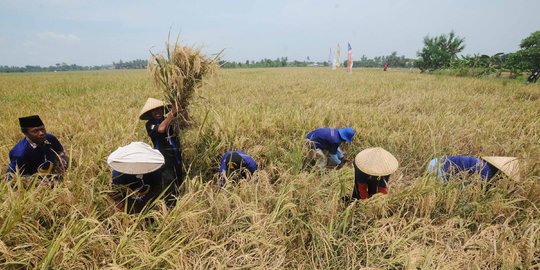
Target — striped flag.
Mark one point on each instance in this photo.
(349, 59)
(337, 63)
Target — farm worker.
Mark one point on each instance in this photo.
(165, 139)
(385, 66)
(372, 170)
(487, 167)
(534, 76)
(38, 152)
(136, 176)
(236, 164)
(324, 145)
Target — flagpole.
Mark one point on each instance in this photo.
(349, 58)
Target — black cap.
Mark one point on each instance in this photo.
(30, 121)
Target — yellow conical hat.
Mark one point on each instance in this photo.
(150, 104)
(376, 161)
(508, 165)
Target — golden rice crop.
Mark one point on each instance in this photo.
(179, 72)
(285, 218)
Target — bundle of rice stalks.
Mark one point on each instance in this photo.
(180, 71)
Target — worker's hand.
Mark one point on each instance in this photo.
(141, 192)
(175, 109)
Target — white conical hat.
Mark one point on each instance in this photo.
(151, 103)
(135, 158)
(376, 161)
(508, 165)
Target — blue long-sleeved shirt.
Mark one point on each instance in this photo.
(167, 143)
(28, 156)
(325, 139)
(249, 162)
(455, 164)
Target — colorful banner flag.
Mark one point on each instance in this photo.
(349, 59)
(337, 63)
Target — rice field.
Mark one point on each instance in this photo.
(284, 218)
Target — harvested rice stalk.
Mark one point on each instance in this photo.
(179, 72)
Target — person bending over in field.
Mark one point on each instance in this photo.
(165, 139)
(136, 177)
(534, 76)
(486, 167)
(235, 165)
(323, 144)
(38, 153)
(372, 170)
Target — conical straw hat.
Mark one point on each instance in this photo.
(135, 158)
(150, 104)
(376, 161)
(508, 165)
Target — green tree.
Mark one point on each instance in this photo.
(528, 57)
(439, 52)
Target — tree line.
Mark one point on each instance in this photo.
(441, 53)
(134, 64)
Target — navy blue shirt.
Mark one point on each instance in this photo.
(249, 162)
(325, 139)
(167, 143)
(27, 156)
(134, 181)
(455, 164)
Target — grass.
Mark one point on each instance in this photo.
(287, 218)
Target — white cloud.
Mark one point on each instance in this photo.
(51, 36)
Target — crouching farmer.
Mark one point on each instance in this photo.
(235, 165)
(487, 167)
(38, 153)
(372, 170)
(324, 146)
(136, 176)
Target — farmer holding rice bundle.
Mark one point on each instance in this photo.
(486, 167)
(165, 139)
(372, 170)
(178, 72)
(323, 144)
(136, 178)
(38, 152)
(236, 165)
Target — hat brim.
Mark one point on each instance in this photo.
(376, 162)
(151, 104)
(508, 165)
(146, 115)
(342, 135)
(135, 168)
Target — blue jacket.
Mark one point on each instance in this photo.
(249, 162)
(456, 164)
(325, 139)
(27, 156)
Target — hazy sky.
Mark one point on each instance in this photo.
(45, 32)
